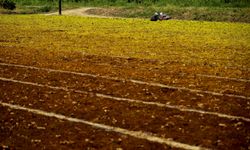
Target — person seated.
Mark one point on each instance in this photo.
(155, 17)
(160, 16)
(163, 16)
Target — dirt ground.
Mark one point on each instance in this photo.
(169, 100)
(86, 12)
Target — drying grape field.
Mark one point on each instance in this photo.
(99, 83)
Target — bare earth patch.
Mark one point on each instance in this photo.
(117, 101)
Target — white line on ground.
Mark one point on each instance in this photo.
(187, 89)
(203, 75)
(136, 134)
(225, 78)
(221, 115)
(138, 82)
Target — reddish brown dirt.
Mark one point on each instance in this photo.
(22, 130)
(19, 128)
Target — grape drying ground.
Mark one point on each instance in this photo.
(55, 97)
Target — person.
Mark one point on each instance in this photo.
(163, 16)
(155, 17)
(160, 16)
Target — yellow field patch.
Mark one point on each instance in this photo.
(174, 40)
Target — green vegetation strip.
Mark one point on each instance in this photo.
(209, 10)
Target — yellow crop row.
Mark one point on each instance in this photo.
(174, 40)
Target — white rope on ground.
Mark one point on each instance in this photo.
(225, 78)
(187, 89)
(221, 115)
(137, 134)
(134, 81)
(92, 75)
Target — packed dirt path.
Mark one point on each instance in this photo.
(80, 12)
